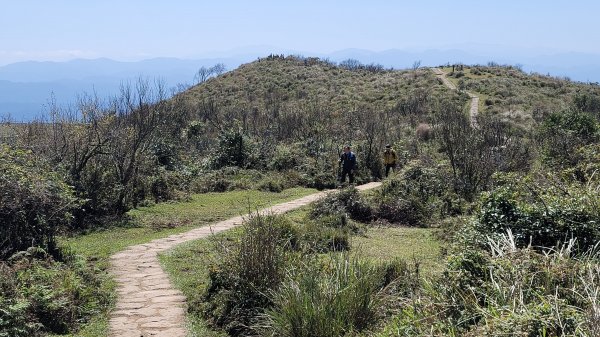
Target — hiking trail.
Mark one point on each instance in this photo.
(474, 108)
(147, 302)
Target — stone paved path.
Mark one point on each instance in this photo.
(474, 108)
(148, 304)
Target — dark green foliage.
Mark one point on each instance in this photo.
(587, 102)
(415, 196)
(35, 203)
(563, 133)
(39, 295)
(345, 201)
(542, 213)
(233, 149)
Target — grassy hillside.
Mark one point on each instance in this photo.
(520, 97)
(294, 82)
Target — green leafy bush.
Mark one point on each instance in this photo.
(415, 196)
(233, 149)
(542, 212)
(561, 134)
(285, 158)
(34, 203)
(346, 201)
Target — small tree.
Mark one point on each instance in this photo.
(232, 149)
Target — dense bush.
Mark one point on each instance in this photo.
(542, 212)
(39, 295)
(561, 134)
(233, 149)
(35, 203)
(286, 158)
(346, 201)
(416, 196)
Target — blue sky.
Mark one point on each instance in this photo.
(136, 29)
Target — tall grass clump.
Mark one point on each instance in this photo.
(333, 299)
(506, 291)
(240, 281)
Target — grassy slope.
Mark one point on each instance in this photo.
(513, 94)
(296, 84)
(155, 222)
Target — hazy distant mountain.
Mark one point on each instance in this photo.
(26, 86)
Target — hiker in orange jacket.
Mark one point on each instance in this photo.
(389, 159)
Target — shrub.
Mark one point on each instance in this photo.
(169, 185)
(347, 200)
(272, 184)
(233, 149)
(34, 203)
(285, 158)
(542, 212)
(408, 212)
(423, 132)
(39, 295)
(239, 282)
(414, 196)
(561, 134)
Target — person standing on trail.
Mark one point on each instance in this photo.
(348, 164)
(389, 159)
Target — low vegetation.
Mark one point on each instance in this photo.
(275, 277)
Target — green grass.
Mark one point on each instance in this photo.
(406, 243)
(164, 219)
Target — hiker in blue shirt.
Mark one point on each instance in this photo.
(348, 164)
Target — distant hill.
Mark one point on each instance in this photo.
(26, 86)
